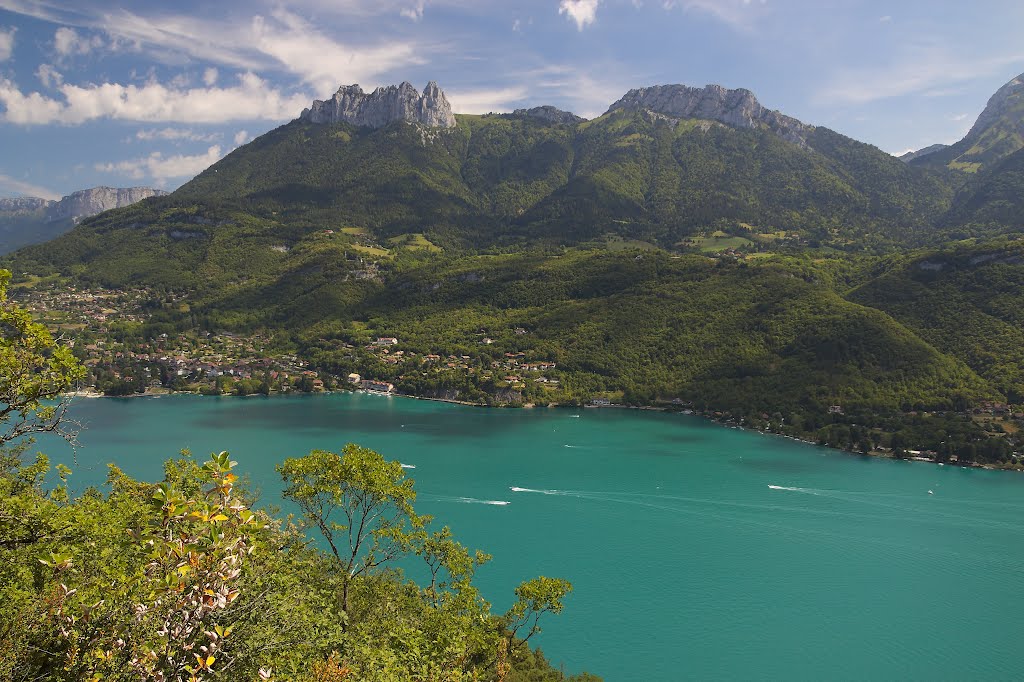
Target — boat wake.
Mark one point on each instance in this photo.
(468, 500)
(808, 491)
(517, 489)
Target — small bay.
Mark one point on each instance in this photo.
(696, 551)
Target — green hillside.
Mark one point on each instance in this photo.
(993, 201)
(507, 180)
(965, 301)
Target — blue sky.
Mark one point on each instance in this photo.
(150, 93)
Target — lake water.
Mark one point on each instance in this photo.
(696, 551)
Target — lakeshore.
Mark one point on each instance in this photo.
(709, 416)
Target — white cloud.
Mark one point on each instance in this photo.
(415, 12)
(175, 135)
(280, 40)
(210, 77)
(6, 43)
(9, 185)
(67, 42)
(241, 137)
(487, 100)
(320, 61)
(924, 70)
(583, 12)
(163, 168)
(251, 99)
(49, 76)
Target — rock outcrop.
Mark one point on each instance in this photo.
(383, 106)
(737, 108)
(550, 114)
(89, 202)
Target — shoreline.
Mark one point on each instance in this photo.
(647, 408)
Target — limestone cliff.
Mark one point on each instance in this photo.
(737, 108)
(383, 106)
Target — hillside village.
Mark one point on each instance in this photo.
(102, 326)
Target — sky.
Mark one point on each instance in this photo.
(130, 93)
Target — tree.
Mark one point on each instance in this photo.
(359, 502)
(34, 371)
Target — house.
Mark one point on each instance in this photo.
(354, 378)
(379, 386)
(600, 402)
(386, 341)
(835, 409)
(318, 384)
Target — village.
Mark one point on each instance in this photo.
(103, 327)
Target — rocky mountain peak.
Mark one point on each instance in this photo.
(738, 108)
(383, 106)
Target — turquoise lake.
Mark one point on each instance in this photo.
(686, 561)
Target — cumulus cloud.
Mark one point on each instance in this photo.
(9, 185)
(175, 135)
(252, 99)
(163, 168)
(6, 43)
(67, 42)
(49, 76)
(241, 137)
(210, 77)
(583, 12)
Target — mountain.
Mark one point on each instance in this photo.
(737, 108)
(668, 166)
(910, 156)
(998, 132)
(30, 220)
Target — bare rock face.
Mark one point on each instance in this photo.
(23, 205)
(550, 114)
(89, 202)
(383, 106)
(737, 108)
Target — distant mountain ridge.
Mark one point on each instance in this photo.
(31, 220)
(930, 149)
